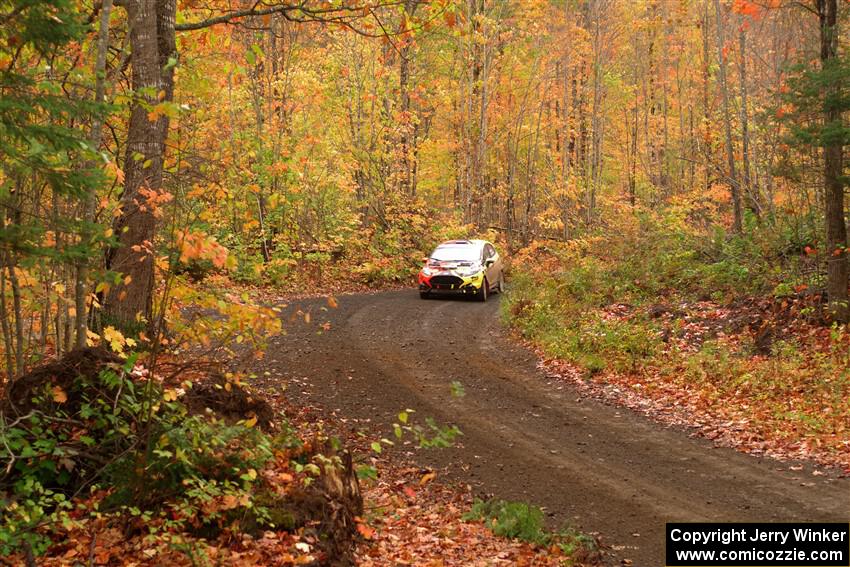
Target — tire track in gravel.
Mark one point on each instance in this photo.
(603, 469)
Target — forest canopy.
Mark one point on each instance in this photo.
(172, 171)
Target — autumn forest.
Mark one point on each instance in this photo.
(664, 178)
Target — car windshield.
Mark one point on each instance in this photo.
(459, 253)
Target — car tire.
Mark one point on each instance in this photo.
(424, 294)
(483, 292)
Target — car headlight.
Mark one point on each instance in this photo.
(426, 271)
(470, 271)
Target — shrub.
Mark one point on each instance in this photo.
(512, 520)
(87, 423)
(525, 522)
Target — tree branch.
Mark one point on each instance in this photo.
(337, 14)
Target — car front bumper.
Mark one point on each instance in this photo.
(451, 283)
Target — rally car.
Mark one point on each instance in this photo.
(470, 267)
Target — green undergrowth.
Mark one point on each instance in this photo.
(525, 522)
(386, 251)
(624, 306)
(102, 443)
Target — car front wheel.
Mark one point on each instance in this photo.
(484, 291)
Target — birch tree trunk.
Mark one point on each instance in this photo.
(734, 186)
(407, 124)
(751, 192)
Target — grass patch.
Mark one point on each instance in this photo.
(525, 522)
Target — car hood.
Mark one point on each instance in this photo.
(449, 264)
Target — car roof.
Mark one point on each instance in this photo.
(475, 242)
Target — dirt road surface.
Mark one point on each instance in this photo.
(525, 437)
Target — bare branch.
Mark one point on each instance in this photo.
(328, 15)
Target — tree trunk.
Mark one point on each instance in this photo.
(748, 189)
(81, 282)
(153, 51)
(836, 229)
(706, 108)
(406, 122)
(4, 320)
(734, 188)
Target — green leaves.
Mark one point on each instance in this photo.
(44, 148)
(432, 436)
(457, 389)
(367, 472)
(809, 94)
(254, 54)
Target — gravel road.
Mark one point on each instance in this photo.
(525, 437)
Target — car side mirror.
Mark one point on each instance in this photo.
(489, 262)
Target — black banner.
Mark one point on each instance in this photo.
(758, 545)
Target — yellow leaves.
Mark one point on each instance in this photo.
(551, 219)
(427, 477)
(113, 169)
(224, 318)
(114, 337)
(59, 395)
(25, 278)
(117, 341)
(171, 394)
(332, 303)
(91, 337)
(210, 193)
(162, 264)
